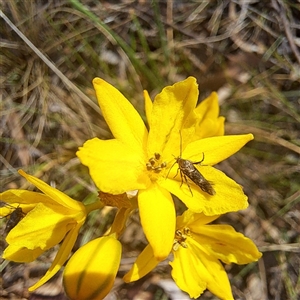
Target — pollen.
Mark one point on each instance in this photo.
(180, 238)
(155, 163)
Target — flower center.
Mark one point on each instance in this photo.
(180, 238)
(155, 163)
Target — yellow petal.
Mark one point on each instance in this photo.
(60, 258)
(158, 219)
(225, 243)
(91, 271)
(23, 197)
(210, 124)
(148, 106)
(17, 253)
(194, 271)
(209, 128)
(41, 228)
(215, 149)
(170, 109)
(215, 275)
(189, 217)
(123, 120)
(114, 167)
(228, 197)
(208, 108)
(204, 121)
(144, 264)
(55, 195)
(185, 272)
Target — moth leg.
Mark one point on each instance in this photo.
(177, 173)
(199, 162)
(171, 169)
(186, 181)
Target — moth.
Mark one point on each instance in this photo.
(188, 170)
(14, 217)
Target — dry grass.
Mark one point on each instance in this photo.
(248, 51)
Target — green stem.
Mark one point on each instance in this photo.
(94, 206)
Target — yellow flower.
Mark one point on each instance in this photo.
(197, 250)
(140, 160)
(91, 271)
(49, 218)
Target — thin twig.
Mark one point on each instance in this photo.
(281, 10)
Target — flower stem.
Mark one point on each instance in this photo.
(94, 206)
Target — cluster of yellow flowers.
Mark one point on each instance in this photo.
(141, 159)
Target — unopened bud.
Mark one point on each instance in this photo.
(91, 271)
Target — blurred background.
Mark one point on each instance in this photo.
(247, 51)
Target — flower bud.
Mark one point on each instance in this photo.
(91, 271)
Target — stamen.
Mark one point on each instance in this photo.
(180, 238)
(155, 164)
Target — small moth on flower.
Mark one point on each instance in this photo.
(187, 169)
(14, 217)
